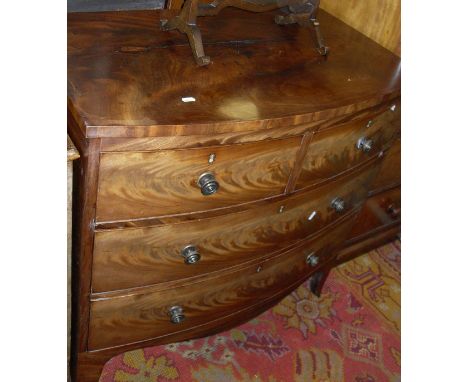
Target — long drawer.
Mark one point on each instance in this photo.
(147, 184)
(390, 172)
(132, 257)
(337, 149)
(137, 317)
(379, 211)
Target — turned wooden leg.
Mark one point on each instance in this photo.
(317, 280)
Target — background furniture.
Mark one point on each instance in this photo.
(378, 20)
(72, 154)
(196, 216)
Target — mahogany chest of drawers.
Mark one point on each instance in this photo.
(193, 217)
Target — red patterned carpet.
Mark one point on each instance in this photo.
(352, 333)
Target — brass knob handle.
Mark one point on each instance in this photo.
(312, 259)
(207, 183)
(364, 144)
(338, 204)
(177, 314)
(190, 254)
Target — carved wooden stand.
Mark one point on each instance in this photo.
(302, 12)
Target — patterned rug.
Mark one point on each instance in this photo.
(351, 333)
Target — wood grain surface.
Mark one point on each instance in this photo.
(126, 80)
(381, 210)
(390, 173)
(140, 185)
(379, 20)
(333, 150)
(364, 244)
(83, 234)
(263, 75)
(133, 318)
(191, 141)
(128, 258)
(90, 363)
(194, 141)
(72, 154)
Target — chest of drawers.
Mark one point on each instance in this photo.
(193, 217)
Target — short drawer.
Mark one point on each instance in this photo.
(132, 257)
(339, 148)
(148, 184)
(137, 317)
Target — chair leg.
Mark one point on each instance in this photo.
(186, 22)
(322, 48)
(195, 40)
(304, 19)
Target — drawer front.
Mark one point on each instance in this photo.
(390, 172)
(133, 318)
(126, 258)
(381, 210)
(337, 149)
(148, 184)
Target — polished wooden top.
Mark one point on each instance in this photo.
(126, 78)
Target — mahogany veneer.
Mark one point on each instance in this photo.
(303, 156)
(143, 314)
(145, 184)
(151, 254)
